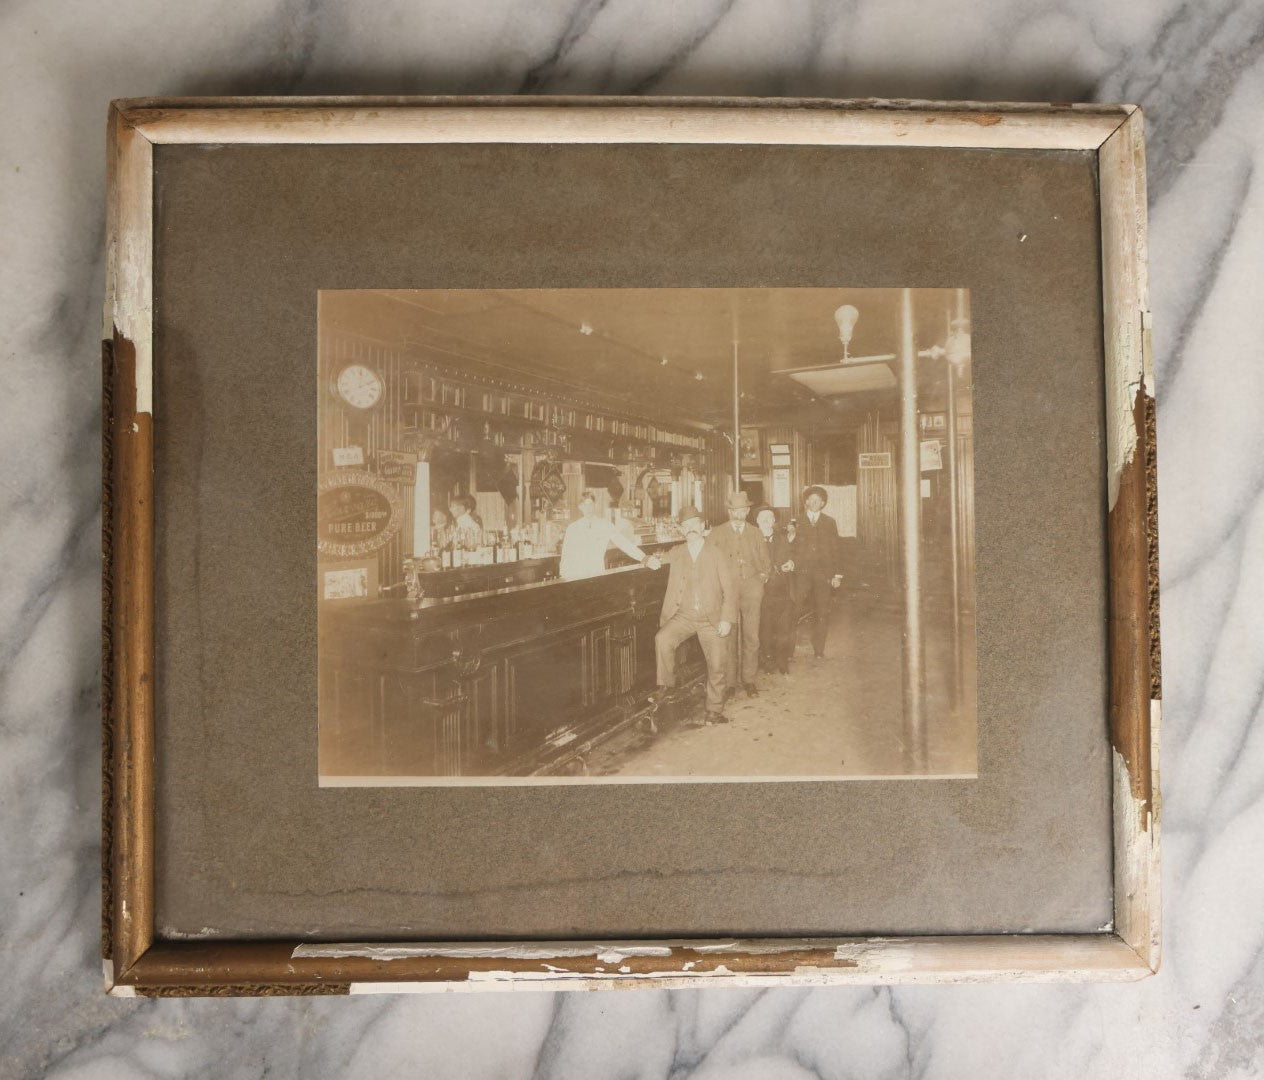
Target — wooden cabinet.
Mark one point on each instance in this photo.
(512, 683)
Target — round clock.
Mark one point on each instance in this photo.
(359, 386)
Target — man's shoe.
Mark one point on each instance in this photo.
(662, 694)
(784, 669)
(716, 718)
(730, 692)
(751, 689)
(820, 654)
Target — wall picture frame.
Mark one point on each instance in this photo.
(752, 448)
(155, 811)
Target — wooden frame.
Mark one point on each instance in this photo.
(136, 963)
(752, 449)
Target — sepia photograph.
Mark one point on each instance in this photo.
(645, 535)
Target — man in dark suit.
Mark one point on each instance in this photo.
(776, 617)
(701, 600)
(818, 562)
(747, 555)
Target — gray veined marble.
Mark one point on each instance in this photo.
(1198, 69)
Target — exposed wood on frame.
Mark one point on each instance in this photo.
(135, 964)
(129, 250)
(128, 570)
(1133, 633)
(564, 965)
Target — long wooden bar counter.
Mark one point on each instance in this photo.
(472, 579)
(512, 681)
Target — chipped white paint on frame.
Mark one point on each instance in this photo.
(845, 961)
(608, 952)
(129, 258)
(111, 987)
(171, 933)
(516, 981)
(1137, 868)
(815, 122)
(1125, 302)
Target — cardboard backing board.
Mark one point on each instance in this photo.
(247, 845)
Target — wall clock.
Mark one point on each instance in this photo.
(359, 386)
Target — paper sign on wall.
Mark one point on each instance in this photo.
(348, 455)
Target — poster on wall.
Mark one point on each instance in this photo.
(752, 448)
(841, 506)
(781, 486)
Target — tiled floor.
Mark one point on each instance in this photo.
(841, 716)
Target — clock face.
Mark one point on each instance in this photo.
(359, 386)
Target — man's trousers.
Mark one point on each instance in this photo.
(815, 598)
(777, 627)
(750, 599)
(674, 633)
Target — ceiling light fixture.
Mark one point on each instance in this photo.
(846, 317)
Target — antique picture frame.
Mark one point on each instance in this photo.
(138, 959)
(752, 448)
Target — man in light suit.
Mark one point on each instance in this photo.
(701, 600)
(747, 555)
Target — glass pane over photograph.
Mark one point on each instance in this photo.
(645, 535)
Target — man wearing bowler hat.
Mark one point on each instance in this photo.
(700, 600)
(818, 561)
(746, 553)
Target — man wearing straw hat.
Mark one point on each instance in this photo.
(818, 561)
(747, 555)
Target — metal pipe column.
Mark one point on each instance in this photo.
(736, 632)
(954, 514)
(737, 418)
(953, 531)
(910, 497)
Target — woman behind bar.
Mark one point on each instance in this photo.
(776, 616)
(467, 526)
(440, 530)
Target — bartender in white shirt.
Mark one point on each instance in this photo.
(587, 539)
(463, 515)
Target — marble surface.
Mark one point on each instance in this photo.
(1198, 68)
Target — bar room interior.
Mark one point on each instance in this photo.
(460, 433)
